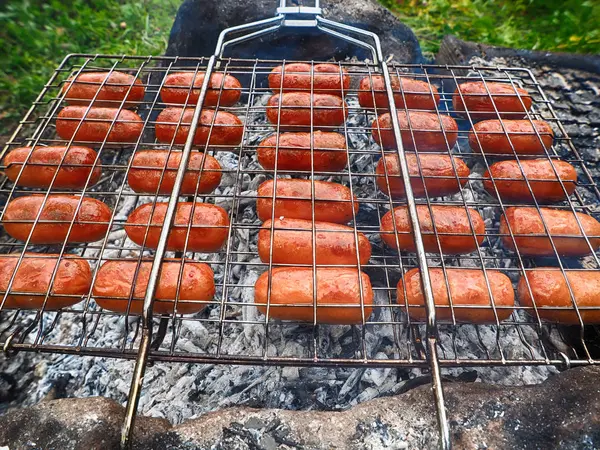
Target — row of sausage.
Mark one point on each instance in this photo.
(343, 296)
(110, 89)
(421, 131)
(153, 171)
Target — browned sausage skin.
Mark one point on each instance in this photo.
(73, 164)
(340, 299)
(207, 233)
(116, 280)
(90, 224)
(439, 171)
(295, 109)
(408, 93)
(426, 132)
(333, 201)
(548, 289)
(474, 97)
(510, 183)
(494, 136)
(222, 90)
(99, 125)
(293, 243)
(531, 237)
(148, 167)
(227, 128)
(111, 89)
(72, 281)
(326, 78)
(293, 151)
(467, 287)
(453, 227)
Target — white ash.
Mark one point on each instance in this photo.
(178, 391)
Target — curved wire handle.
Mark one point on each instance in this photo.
(299, 17)
(290, 17)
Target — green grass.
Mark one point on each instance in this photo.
(35, 35)
(556, 25)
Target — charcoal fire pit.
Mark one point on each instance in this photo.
(230, 354)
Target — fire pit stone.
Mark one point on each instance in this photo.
(563, 412)
(199, 22)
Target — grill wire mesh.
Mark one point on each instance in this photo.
(523, 339)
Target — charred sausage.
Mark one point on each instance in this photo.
(90, 224)
(527, 226)
(293, 243)
(99, 124)
(227, 129)
(73, 164)
(548, 288)
(109, 90)
(424, 133)
(207, 233)
(193, 289)
(71, 283)
(326, 78)
(508, 179)
(327, 110)
(223, 90)
(333, 201)
(439, 172)
(293, 151)
(467, 287)
(340, 299)
(408, 93)
(493, 136)
(148, 167)
(479, 99)
(453, 227)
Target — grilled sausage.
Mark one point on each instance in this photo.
(72, 281)
(327, 110)
(116, 280)
(493, 136)
(532, 239)
(111, 89)
(540, 173)
(451, 226)
(467, 288)
(550, 290)
(427, 134)
(99, 125)
(222, 90)
(333, 201)
(328, 154)
(338, 295)
(90, 224)
(336, 244)
(227, 129)
(326, 79)
(408, 93)
(476, 98)
(207, 234)
(147, 170)
(430, 166)
(73, 164)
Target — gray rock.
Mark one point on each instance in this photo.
(74, 424)
(562, 413)
(199, 22)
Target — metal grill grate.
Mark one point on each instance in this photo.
(237, 193)
(523, 339)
